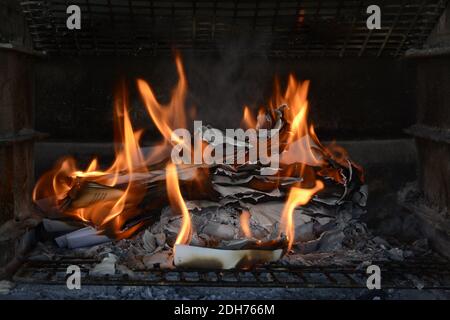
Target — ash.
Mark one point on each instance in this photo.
(342, 240)
(346, 240)
(49, 292)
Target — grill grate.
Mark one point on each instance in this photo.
(326, 28)
(432, 275)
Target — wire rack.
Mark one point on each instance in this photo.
(324, 28)
(406, 275)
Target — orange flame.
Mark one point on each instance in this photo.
(248, 121)
(111, 205)
(297, 115)
(297, 197)
(171, 116)
(119, 192)
(55, 183)
(178, 204)
(302, 145)
(245, 223)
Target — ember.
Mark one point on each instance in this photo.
(222, 213)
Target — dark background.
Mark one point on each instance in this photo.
(349, 98)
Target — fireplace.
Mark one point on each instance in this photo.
(122, 164)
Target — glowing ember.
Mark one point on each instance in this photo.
(245, 224)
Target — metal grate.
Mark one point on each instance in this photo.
(410, 274)
(335, 28)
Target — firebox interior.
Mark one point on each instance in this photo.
(381, 94)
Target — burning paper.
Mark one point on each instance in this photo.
(206, 258)
(283, 185)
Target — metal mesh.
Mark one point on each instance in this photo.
(277, 28)
(409, 274)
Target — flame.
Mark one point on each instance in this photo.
(112, 205)
(301, 17)
(297, 197)
(171, 116)
(107, 199)
(115, 202)
(245, 223)
(300, 145)
(303, 146)
(178, 204)
(248, 120)
(295, 97)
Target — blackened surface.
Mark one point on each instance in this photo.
(52, 292)
(434, 113)
(13, 28)
(16, 92)
(434, 175)
(16, 106)
(350, 98)
(434, 92)
(16, 160)
(288, 28)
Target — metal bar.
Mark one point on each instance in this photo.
(172, 19)
(347, 39)
(394, 276)
(366, 41)
(132, 26)
(235, 9)
(74, 33)
(255, 15)
(352, 281)
(155, 44)
(194, 23)
(111, 17)
(28, 15)
(337, 17)
(422, 37)
(329, 277)
(411, 25)
(237, 276)
(299, 273)
(55, 30)
(213, 22)
(316, 17)
(273, 275)
(275, 15)
(391, 29)
(278, 21)
(91, 24)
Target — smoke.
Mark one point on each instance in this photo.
(221, 84)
